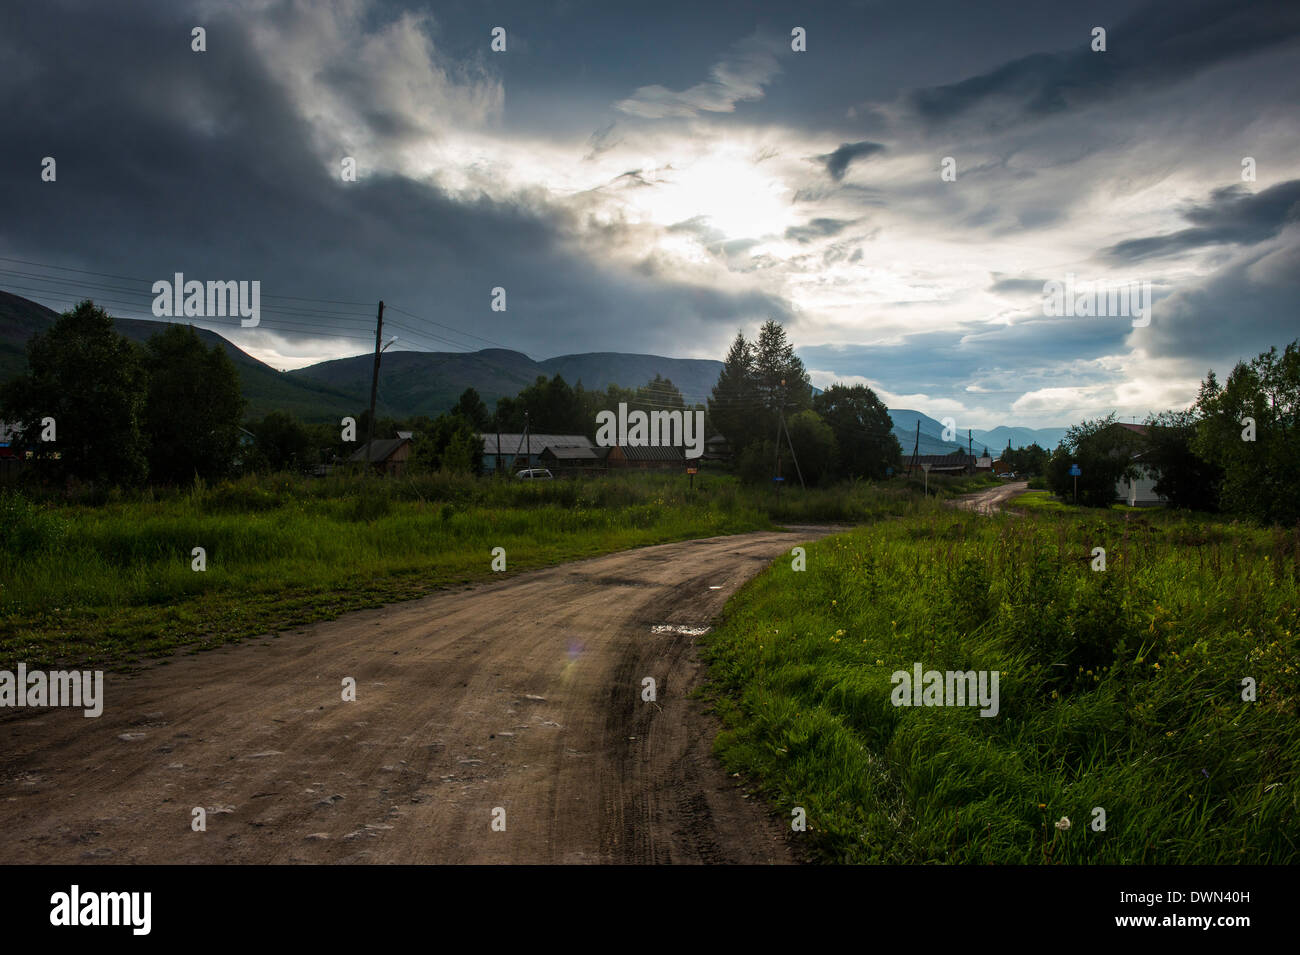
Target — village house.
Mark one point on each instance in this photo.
(1139, 491)
(518, 452)
(387, 455)
(959, 462)
(646, 459)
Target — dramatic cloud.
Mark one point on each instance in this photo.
(738, 77)
(837, 163)
(650, 181)
(1234, 216)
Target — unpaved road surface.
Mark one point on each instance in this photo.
(523, 694)
(991, 501)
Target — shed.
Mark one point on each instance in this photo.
(646, 458)
(387, 455)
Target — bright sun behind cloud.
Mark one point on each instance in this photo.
(725, 187)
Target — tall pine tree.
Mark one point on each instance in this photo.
(733, 405)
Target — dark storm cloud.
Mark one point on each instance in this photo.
(1233, 216)
(199, 163)
(837, 163)
(1238, 312)
(1158, 45)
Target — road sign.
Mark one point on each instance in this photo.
(1074, 470)
(926, 467)
(692, 470)
(778, 479)
(889, 472)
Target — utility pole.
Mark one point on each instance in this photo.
(498, 470)
(793, 458)
(523, 439)
(970, 450)
(374, 381)
(916, 448)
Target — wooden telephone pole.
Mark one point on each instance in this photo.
(374, 381)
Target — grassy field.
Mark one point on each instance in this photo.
(1120, 689)
(108, 580)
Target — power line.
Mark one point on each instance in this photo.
(133, 278)
(448, 327)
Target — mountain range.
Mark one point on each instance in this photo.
(428, 383)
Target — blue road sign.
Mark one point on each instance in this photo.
(889, 472)
(1074, 470)
(778, 479)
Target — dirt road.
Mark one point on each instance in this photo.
(991, 501)
(523, 695)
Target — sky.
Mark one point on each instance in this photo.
(654, 178)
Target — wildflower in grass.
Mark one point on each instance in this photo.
(1042, 805)
(1055, 694)
(1063, 823)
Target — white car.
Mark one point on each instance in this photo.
(535, 474)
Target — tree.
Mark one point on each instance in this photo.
(815, 447)
(1030, 460)
(1249, 427)
(281, 443)
(781, 380)
(1183, 477)
(863, 430)
(87, 378)
(733, 404)
(659, 394)
(547, 405)
(463, 453)
(193, 407)
(472, 408)
(1104, 453)
(450, 443)
(755, 463)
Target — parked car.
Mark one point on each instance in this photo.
(535, 474)
(1006, 474)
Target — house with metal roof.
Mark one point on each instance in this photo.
(1140, 490)
(518, 451)
(959, 462)
(646, 458)
(387, 455)
(571, 460)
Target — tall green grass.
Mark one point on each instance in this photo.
(1119, 689)
(107, 578)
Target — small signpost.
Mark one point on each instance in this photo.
(692, 472)
(776, 483)
(926, 469)
(1075, 472)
